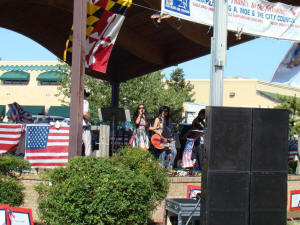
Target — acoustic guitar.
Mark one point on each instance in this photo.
(159, 142)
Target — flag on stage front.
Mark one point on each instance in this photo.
(46, 146)
(104, 21)
(10, 135)
(187, 153)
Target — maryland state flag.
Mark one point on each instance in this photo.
(104, 21)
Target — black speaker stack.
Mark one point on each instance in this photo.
(244, 177)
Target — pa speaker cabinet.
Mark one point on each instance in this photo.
(226, 166)
(270, 140)
(228, 138)
(268, 191)
(245, 157)
(268, 196)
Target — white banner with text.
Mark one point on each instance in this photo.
(254, 17)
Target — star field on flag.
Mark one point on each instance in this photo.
(37, 137)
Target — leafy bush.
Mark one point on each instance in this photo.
(142, 162)
(10, 164)
(100, 191)
(10, 191)
(292, 166)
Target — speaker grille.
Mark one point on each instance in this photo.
(229, 131)
(268, 191)
(244, 179)
(270, 140)
(233, 195)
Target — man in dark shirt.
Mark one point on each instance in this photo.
(199, 122)
(197, 132)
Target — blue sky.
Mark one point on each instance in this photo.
(255, 59)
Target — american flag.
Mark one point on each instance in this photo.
(187, 153)
(293, 149)
(118, 141)
(10, 135)
(47, 146)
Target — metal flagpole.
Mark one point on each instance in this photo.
(218, 52)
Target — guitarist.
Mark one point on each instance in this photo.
(161, 125)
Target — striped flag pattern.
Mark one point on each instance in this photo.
(10, 135)
(293, 149)
(17, 114)
(119, 141)
(55, 153)
(187, 154)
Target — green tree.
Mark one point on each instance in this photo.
(152, 89)
(179, 84)
(182, 89)
(291, 103)
(100, 90)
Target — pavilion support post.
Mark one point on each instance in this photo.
(218, 53)
(115, 94)
(77, 81)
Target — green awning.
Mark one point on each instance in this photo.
(272, 96)
(50, 76)
(15, 75)
(2, 110)
(34, 109)
(63, 111)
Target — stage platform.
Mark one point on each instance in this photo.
(178, 189)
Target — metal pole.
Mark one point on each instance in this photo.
(218, 52)
(115, 94)
(77, 81)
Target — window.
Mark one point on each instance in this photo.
(231, 94)
(48, 83)
(12, 82)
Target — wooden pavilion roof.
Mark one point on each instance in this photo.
(142, 46)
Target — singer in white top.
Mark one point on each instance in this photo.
(140, 137)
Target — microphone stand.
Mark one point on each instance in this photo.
(198, 203)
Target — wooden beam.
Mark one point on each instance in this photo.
(77, 82)
(141, 46)
(197, 33)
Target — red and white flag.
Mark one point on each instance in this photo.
(293, 149)
(187, 154)
(104, 21)
(10, 135)
(47, 146)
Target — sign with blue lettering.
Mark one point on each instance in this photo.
(179, 6)
(254, 17)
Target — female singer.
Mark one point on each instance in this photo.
(161, 123)
(140, 137)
